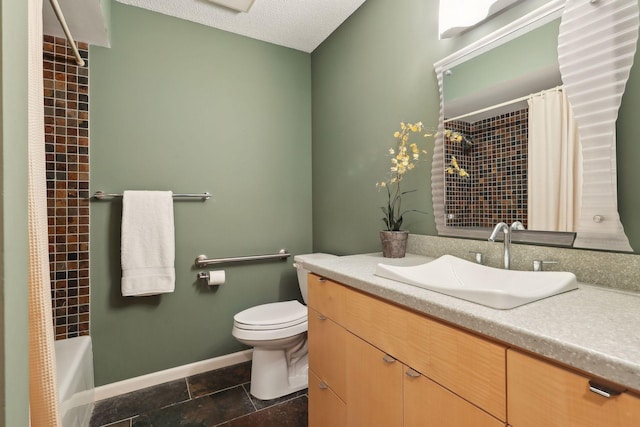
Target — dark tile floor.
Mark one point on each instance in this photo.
(215, 398)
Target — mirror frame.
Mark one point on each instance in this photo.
(611, 237)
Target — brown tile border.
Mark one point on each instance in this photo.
(66, 116)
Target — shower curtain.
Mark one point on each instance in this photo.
(554, 163)
(43, 399)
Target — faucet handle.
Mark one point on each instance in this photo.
(517, 225)
(478, 257)
(538, 265)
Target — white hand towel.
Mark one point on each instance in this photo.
(148, 243)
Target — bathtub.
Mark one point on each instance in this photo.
(74, 363)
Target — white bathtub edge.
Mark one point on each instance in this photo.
(74, 366)
(132, 384)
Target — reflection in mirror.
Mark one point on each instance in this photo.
(493, 100)
(521, 167)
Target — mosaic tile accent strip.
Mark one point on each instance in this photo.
(66, 115)
(497, 163)
(459, 191)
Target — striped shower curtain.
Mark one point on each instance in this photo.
(43, 399)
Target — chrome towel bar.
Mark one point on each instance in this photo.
(202, 261)
(101, 195)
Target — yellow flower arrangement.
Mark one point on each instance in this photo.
(403, 159)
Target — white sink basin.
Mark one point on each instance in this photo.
(493, 287)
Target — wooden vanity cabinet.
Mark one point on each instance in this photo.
(374, 391)
(327, 354)
(374, 363)
(426, 403)
(383, 343)
(327, 351)
(326, 297)
(325, 407)
(544, 394)
(470, 366)
(382, 391)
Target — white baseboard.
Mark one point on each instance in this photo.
(137, 383)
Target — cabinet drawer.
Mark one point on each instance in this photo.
(543, 394)
(325, 407)
(470, 366)
(427, 403)
(327, 348)
(326, 297)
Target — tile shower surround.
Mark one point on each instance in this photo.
(497, 188)
(66, 117)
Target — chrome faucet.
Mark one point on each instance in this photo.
(501, 226)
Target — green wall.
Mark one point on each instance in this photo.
(377, 70)
(628, 156)
(14, 334)
(183, 107)
(179, 106)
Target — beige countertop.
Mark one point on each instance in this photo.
(593, 329)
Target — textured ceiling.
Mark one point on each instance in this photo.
(297, 24)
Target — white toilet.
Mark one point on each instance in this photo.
(278, 334)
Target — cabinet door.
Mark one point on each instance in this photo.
(326, 297)
(428, 404)
(543, 394)
(325, 407)
(468, 365)
(374, 386)
(327, 353)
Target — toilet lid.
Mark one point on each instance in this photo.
(271, 316)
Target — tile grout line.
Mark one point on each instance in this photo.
(255, 409)
(266, 408)
(130, 419)
(221, 390)
(186, 381)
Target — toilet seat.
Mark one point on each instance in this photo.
(277, 315)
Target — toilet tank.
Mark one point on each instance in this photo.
(299, 261)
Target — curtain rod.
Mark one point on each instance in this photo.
(503, 104)
(67, 33)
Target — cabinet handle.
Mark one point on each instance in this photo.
(322, 385)
(388, 359)
(602, 390)
(322, 317)
(413, 374)
(321, 280)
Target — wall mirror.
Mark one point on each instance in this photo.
(535, 146)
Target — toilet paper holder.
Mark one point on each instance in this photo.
(212, 278)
